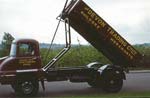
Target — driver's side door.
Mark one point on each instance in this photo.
(27, 58)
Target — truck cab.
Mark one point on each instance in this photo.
(24, 54)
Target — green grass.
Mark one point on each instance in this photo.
(116, 95)
(77, 56)
(80, 55)
(83, 55)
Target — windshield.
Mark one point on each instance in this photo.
(13, 50)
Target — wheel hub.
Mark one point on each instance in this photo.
(27, 87)
(112, 82)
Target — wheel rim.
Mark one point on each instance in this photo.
(114, 85)
(27, 87)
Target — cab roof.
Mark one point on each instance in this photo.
(25, 41)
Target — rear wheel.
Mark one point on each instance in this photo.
(112, 84)
(95, 81)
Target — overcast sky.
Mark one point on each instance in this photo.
(37, 18)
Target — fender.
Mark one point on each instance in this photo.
(117, 71)
(3, 58)
(95, 65)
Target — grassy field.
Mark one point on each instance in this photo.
(77, 56)
(83, 55)
(116, 95)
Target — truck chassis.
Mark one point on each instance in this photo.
(26, 83)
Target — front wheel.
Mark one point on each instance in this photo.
(26, 88)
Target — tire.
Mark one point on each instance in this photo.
(95, 81)
(26, 88)
(94, 84)
(112, 84)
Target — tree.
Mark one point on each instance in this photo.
(6, 43)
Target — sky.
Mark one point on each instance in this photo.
(37, 19)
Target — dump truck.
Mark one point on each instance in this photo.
(24, 71)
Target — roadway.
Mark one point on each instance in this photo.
(136, 82)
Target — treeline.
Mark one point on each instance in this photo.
(79, 55)
(143, 49)
(6, 44)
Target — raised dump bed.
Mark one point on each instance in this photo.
(100, 34)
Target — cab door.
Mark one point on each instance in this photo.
(27, 56)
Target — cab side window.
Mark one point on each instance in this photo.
(26, 49)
